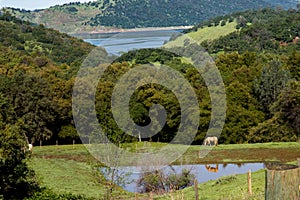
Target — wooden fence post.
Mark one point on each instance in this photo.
(282, 182)
(196, 189)
(249, 182)
(151, 196)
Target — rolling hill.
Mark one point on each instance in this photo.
(34, 39)
(260, 30)
(103, 14)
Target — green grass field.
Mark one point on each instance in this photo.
(232, 187)
(64, 176)
(69, 169)
(212, 33)
(206, 33)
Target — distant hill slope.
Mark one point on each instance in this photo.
(261, 30)
(36, 40)
(286, 4)
(205, 33)
(156, 13)
(98, 15)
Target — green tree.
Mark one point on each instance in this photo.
(285, 122)
(33, 103)
(270, 83)
(68, 133)
(293, 65)
(17, 180)
(287, 106)
(272, 130)
(242, 114)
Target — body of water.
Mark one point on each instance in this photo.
(117, 43)
(203, 173)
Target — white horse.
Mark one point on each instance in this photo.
(30, 147)
(211, 141)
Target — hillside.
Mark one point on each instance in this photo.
(37, 66)
(243, 46)
(34, 39)
(261, 30)
(257, 53)
(36, 70)
(104, 14)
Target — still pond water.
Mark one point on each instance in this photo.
(117, 43)
(202, 173)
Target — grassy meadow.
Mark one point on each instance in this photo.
(206, 33)
(233, 187)
(70, 169)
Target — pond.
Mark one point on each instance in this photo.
(203, 173)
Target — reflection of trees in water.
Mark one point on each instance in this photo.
(240, 164)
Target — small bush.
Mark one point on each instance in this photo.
(223, 23)
(226, 180)
(41, 61)
(49, 194)
(160, 182)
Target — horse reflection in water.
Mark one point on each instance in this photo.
(210, 168)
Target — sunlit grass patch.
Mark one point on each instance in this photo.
(233, 187)
(206, 33)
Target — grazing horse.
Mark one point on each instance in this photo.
(211, 141)
(30, 147)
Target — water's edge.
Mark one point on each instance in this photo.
(202, 172)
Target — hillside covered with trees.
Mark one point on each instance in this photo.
(259, 63)
(37, 66)
(260, 69)
(104, 14)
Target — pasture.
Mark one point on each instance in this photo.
(206, 33)
(68, 168)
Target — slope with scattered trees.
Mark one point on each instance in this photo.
(103, 14)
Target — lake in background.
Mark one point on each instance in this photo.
(117, 43)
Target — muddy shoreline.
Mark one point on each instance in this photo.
(116, 30)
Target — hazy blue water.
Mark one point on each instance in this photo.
(199, 171)
(123, 42)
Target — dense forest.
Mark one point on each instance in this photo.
(98, 15)
(167, 13)
(259, 64)
(37, 70)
